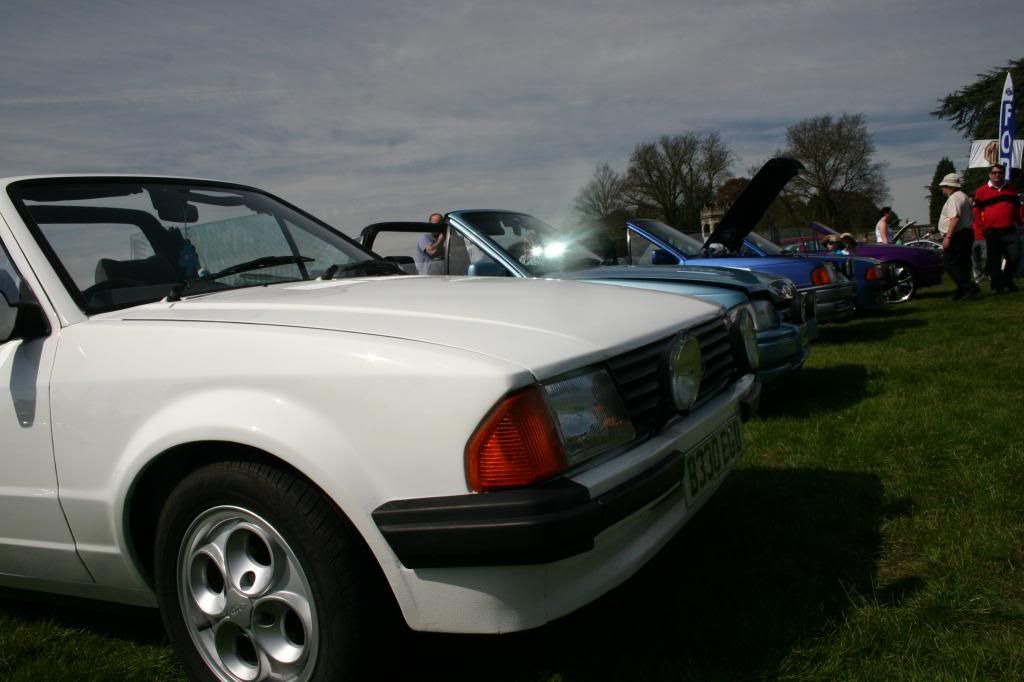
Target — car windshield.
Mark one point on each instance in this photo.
(123, 242)
(540, 248)
(683, 243)
(767, 246)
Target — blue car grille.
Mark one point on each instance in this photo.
(640, 375)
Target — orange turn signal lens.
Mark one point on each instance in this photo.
(874, 273)
(517, 444)
(820, 276)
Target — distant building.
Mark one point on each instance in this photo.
(709, 219)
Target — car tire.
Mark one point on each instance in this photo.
(257, 571)
(905, 284)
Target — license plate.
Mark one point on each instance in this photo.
(712, 459)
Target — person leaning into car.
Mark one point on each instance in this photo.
(430, 245)
(956, 226)
(999, 209)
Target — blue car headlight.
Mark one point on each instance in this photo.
(765, 315)
(743, 337)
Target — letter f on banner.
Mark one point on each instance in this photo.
(1006, 126)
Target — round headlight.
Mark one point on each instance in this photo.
(744, 340)
(783, 288)
(684, 367)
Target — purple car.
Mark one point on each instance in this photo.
(913, 267)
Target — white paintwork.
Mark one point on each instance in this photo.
(369, 387)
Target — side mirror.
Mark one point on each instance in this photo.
(24, 320)
(663, 257)
(400, 260)
(486, 270)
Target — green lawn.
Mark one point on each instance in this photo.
(875, 531)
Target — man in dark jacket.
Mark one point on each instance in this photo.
(999, 209)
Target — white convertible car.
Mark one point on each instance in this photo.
(214, 403)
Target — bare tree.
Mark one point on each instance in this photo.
(839, 166)
(602, 196)
(677, 175)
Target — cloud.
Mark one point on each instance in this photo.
(365, 112)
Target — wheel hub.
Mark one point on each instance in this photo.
(246, 599)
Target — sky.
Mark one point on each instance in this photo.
(365, 112)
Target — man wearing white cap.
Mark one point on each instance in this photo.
(955, 223)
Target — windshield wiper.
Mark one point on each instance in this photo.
(259, 264)
(364, 267)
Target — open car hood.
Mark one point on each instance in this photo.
(746, 212)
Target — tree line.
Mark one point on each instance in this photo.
(675, 177)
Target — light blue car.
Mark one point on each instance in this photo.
(509, 244)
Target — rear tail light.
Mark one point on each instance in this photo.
(873, 274)
(516, 445)
(820, 276)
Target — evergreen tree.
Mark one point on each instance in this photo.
(935, 196)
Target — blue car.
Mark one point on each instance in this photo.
(510, 244)
(873, 278)
(651, 242)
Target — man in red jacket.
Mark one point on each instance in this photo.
(999, 209)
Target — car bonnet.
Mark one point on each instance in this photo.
(545, 326)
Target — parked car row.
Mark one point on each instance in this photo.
(219, 405)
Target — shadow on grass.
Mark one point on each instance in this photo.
(815, 390)
(775, 558)
(130, 623)
(874, 329)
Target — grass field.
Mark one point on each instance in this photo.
(875, 531)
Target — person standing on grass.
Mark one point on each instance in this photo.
(882, 226)
(955, 225)
(999, 208)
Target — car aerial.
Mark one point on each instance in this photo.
(913, 267)
(512, 244)
(874, 279)
(216, 404)
(652, 242)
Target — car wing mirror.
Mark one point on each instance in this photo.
(663, 257)
(24, 320)
(486, 270)
(399, 260)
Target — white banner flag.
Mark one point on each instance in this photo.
(984, 153)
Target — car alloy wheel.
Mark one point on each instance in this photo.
(260, 577)
(246, 598)
(903, 287)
